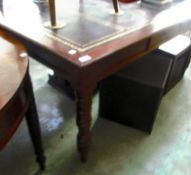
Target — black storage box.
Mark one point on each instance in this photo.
(133, 95)
(177, 49)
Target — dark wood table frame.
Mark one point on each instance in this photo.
(87, 66)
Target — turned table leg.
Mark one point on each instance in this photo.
(34, 128)
(83, 103)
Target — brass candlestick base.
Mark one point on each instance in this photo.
(40, 1)
(120, 12)
(59, 25)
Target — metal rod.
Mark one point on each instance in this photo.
(116, 6)
(52, 12)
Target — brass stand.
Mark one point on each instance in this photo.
(116, 10)
(53, 24)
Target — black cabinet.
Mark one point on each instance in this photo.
(177, 49)
(133, 95)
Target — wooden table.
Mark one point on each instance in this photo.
(93, 44)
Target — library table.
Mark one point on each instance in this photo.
(93, 44)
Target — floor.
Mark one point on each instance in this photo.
(116, 149)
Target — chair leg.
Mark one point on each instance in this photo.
(34, 128)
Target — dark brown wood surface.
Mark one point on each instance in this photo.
(93, 44)
(13, 71)
(16, 95)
